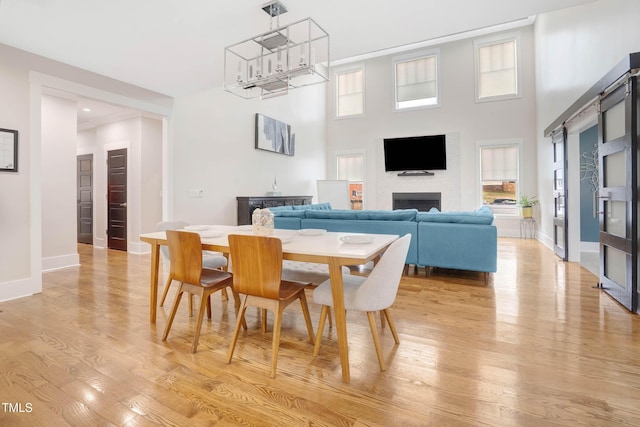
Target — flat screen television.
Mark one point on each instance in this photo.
(415, 153)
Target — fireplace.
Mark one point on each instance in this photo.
(421, 201)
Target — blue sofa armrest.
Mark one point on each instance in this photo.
(458, 246)
(287, 223)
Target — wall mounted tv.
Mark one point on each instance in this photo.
(415, 153)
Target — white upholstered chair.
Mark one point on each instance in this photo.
(377, 292)
(213, 260)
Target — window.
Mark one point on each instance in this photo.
(496, 68)
(499, 171)
(350, 93)
(416, 81)
(351, 168)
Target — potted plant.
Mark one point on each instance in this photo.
(526, 204)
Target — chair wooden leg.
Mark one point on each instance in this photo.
(239, 319)
(330, 319)
(264, 320)
(382, 322)
(225, 296)
(174, 308)
(236, 299)
(166, 289)
(208, 306)
(323, 318)
(307, 317)
(190, 305)
(204, 298)
(275, 345)
(387, 314)
(376, 339)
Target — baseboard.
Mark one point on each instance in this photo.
(546, 240)
(59, 262)
(132, 247)
(19, 289)
(99, 243)
(138, 248)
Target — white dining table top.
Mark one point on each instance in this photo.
(326, 243)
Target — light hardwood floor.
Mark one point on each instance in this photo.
(537, 347)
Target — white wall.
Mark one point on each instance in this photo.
(213, 150)
(463, 120)
(150, 173)
(575, 48)
(15, 215)
(59, 186)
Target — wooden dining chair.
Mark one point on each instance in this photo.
(376, 292)
(211, 260)
(257, 274)
(185, 249)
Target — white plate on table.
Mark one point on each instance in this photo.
(285, 238)
(311, 231)
(210, 233)
(196, 227)
(357, 239)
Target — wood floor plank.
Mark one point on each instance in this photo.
(537, 346)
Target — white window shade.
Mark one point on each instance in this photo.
(499, 163)
(350, 93)
(416, 79)
(497, 70)
(351, 168)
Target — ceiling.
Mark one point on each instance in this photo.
(175, 47)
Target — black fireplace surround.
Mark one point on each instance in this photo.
(420, 201)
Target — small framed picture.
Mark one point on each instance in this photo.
(8, 150)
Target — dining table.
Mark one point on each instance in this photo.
(334, 249)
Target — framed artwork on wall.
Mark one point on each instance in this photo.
(8, 150)
(274, 135)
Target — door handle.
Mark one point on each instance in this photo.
(123, 204)
(595, 203)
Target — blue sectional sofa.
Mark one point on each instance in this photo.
(458, 240)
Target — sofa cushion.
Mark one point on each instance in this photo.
(289, 214)
(332, 214)
(314, 207)
(480, 216)
(275, 209)
(395, 215)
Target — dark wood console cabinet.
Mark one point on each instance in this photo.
(246, 205)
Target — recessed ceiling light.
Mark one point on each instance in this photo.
(87, 110)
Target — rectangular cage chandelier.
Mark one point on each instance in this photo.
(283, 58)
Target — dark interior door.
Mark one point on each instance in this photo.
(617, 155)
(117, 199)
(85, 198)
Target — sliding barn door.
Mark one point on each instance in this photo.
(618, 199)
(560, 228)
